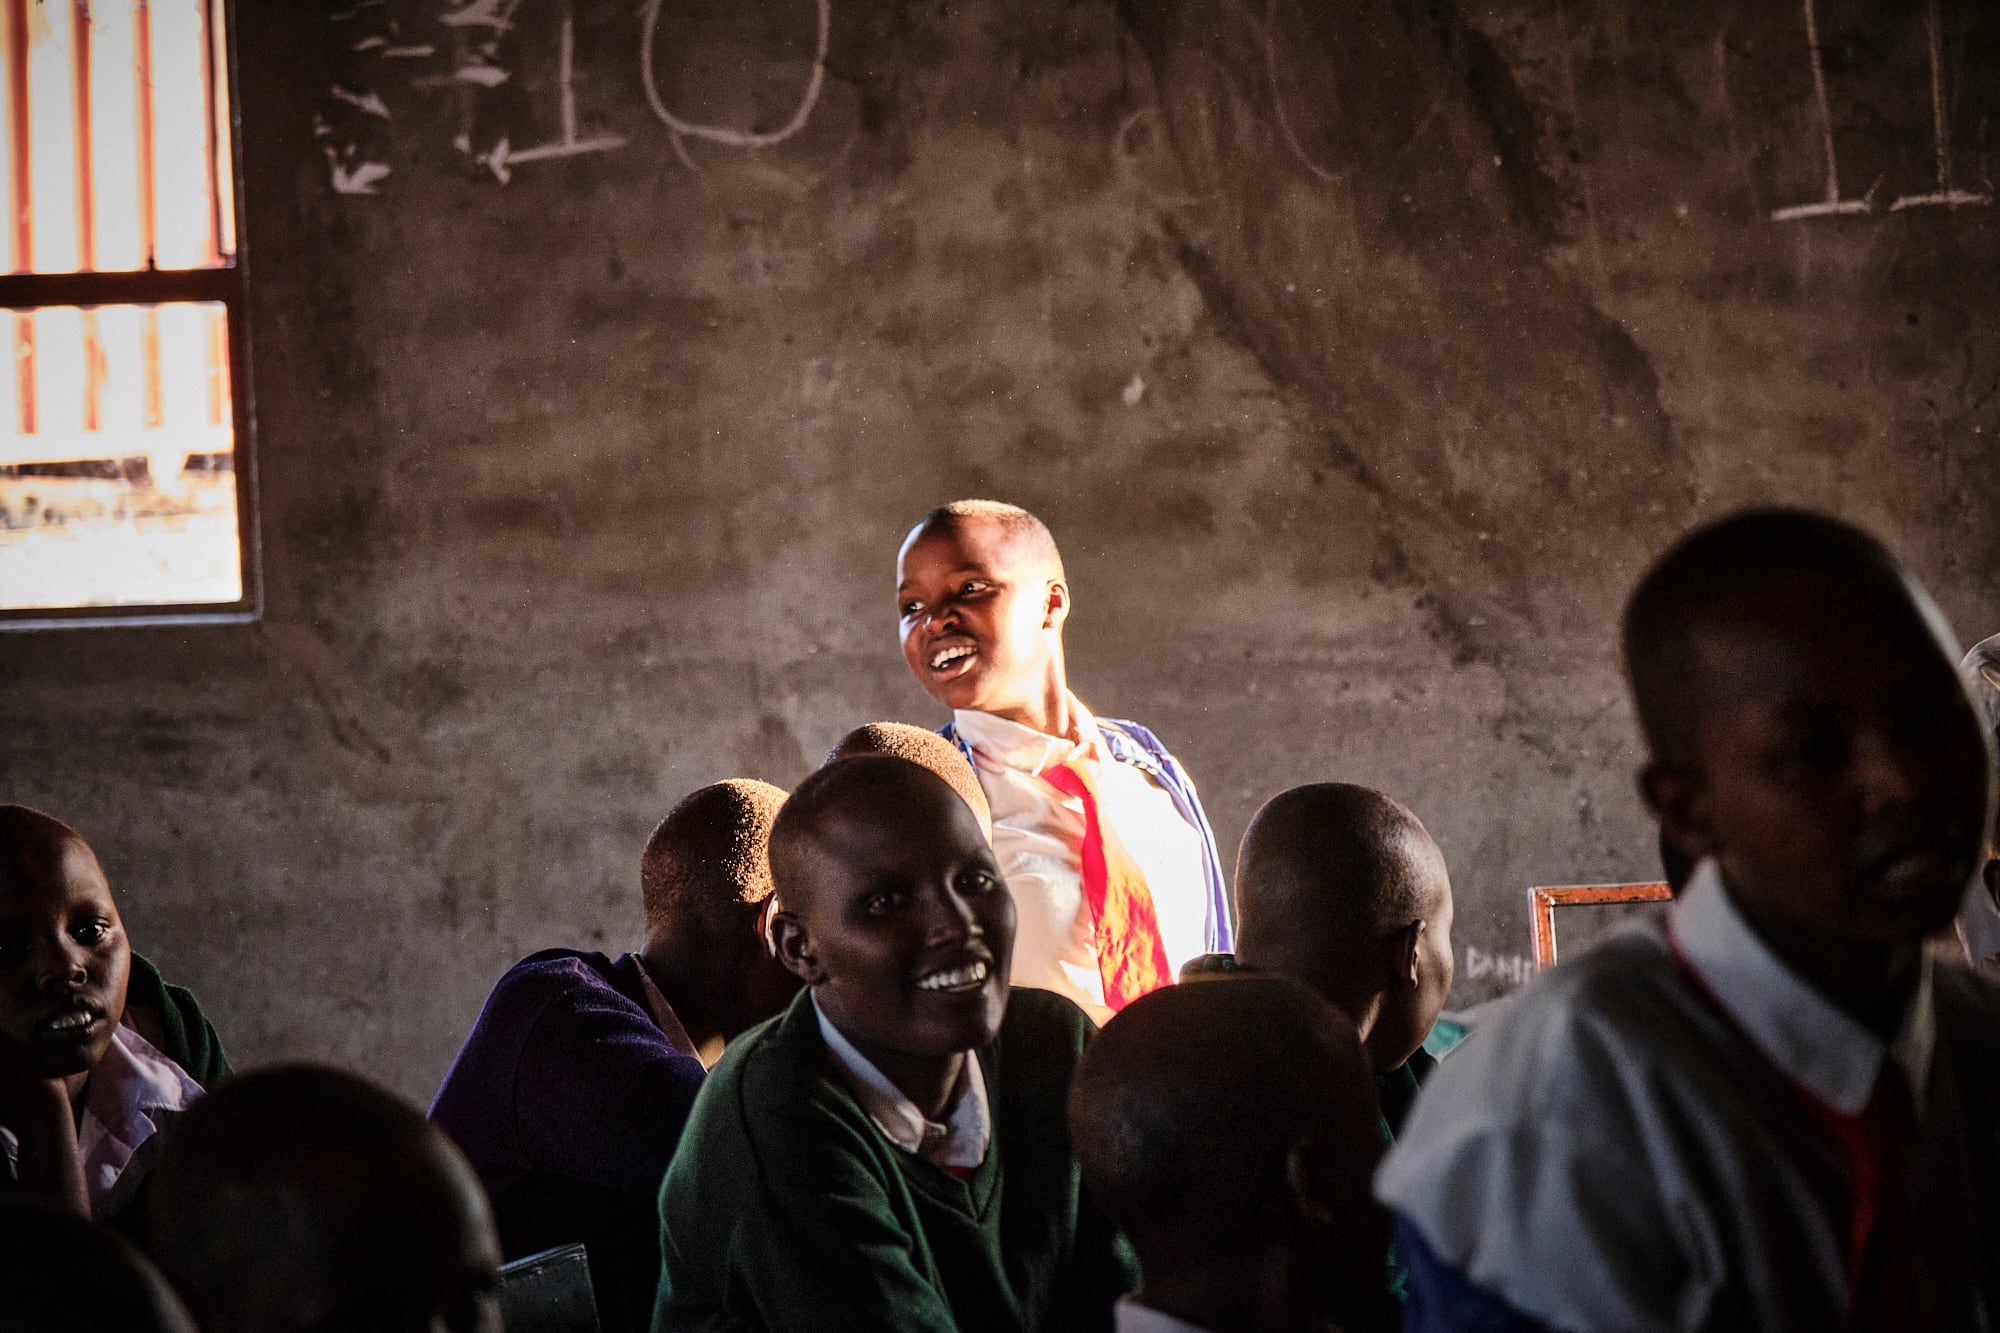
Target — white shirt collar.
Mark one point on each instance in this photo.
(1804, 1034)
(133, 1091)
(959, 1142)
(1009, 744)
(1129, 1316)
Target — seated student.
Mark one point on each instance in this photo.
(927, 748)
(1979, 918)
(1244, 1190)
(1343, 889)
(301, 1199)
(1764, 1109)
(1103, 842)
(570, 1093)
(892, 1153)
(62, 1274)
(82, 1093)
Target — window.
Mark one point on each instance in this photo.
(126, 478)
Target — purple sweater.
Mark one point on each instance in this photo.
(568, 1099)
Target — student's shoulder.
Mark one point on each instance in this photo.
(551, 972)
(1967, 998)
(1043, 1019)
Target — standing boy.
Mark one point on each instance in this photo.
(1103, 842)
(892, 1152)
(570, 1092)
(1771, 1108)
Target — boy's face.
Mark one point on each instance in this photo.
(981, 621)
(908, 931)
(1838, 775)
(64, 959)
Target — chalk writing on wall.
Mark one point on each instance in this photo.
(1947, 193)
(1510, 969)
(466, 58)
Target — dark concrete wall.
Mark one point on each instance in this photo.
(1359, 354)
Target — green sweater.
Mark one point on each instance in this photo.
(786, 1208)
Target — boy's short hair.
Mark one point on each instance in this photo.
(62, 1274)
(924, 747)
(795, 836)
(710, 854)
(297, 1184)
(1726, 561)
(29, 838)
(1017, 523)
(1187, 1104)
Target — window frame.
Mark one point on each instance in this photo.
(227, 285)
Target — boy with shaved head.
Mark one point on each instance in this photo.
(97, 1054)
(1771, 1108)
(927, 748)
(1102, 839)
(1244, 1190)
(1343, 889)
(62, 1274)
(570, 1093)
(302, 1199)
(892, 1152)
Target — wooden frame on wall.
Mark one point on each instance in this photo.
(1543, 900)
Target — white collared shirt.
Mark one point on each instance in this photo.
(1129, 1316)
(132, 1093)
(1614, 1151)
(958, 1144)
(1038, 840)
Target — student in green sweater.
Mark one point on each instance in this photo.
(892, 1151)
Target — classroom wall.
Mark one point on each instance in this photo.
(1359, 354)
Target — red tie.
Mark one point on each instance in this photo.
(1887, 1293)
(1131, 958)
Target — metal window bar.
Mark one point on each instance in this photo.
(59, 276)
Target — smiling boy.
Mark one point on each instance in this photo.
(843, 1166)
(1771, 1108)
(1103, 842)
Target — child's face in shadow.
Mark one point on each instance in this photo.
(1840, 778)
(64, 958)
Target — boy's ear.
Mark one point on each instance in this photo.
(1056, 609)
(1403, 955)
(794, 947)
(1309, 1204)
(1679, 800)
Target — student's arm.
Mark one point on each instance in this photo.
(36, 1109)
(598, 1095)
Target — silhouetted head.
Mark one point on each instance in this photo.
(64, 958)
(706, 880)
(981, 598)
(920, 745)
(301, 1199)
(1343, 889)
(1982, 676)
(893, 908)
(1230, 1129)
(1807, 728)
(62, 1274)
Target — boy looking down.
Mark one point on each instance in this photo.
(570, 1092)
(1770, 1108)
(1343, 889)
(892, 1151)
(1102, 840)
(1244, 1189)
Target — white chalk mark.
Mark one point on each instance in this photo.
(1939, 128)
(1833, 204)
(649, 26)
(419, 51)
(371, 103)
(462, 142)
(495, 14)
(357, 179)
(569, 145)
(1278, 99)
(496, 162)
(1942, 199)
(1134, 390)
(486, 76)
(370, 43)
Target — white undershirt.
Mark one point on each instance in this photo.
(1038, 840)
